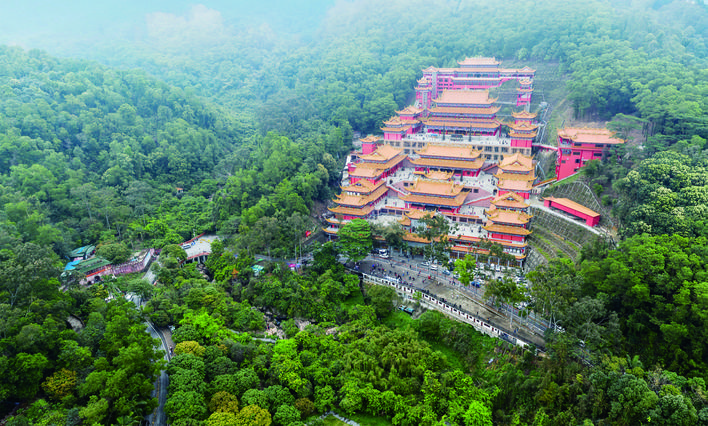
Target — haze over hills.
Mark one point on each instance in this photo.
(79, 27)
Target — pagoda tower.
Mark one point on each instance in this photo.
(516, 174)
(523, 131)
(524, 91)
(507, 223)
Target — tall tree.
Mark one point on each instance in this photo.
(355, 240)
(436, 230)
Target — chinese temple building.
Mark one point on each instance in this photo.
(396, 128)
(357, 201)
(524, 91)
(413, 219)
(433, 195)
(463, 112)
(522, 131)
(577, 146)
(454, 105)
(378, 165)
(472, 74)
(516, 174)
(369, 144)
(457, 160)
(507, 222)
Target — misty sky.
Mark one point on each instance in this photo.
(47, 23)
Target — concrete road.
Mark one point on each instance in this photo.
(157, 417)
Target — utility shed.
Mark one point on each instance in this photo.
(592, 218)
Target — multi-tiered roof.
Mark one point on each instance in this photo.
(472, 73)
(507, 222)
(435, 194)
(376, 165)
(448, 158)
(463, 112)
(516, 174)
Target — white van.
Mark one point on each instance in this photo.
(383, 253)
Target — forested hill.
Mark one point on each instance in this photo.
(106, 125)
(84, 148)
(94, 154)
(645, 57)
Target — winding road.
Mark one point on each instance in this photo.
(157, 417)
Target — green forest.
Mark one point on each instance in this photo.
(243, 130)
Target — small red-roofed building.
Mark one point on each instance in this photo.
(591, 217)
(577, 146)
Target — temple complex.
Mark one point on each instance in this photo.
(454, 105)
(577, 146)
(482, 200)
(449, 155)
